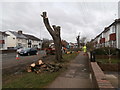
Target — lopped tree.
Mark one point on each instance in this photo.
(78, 40)
(55, 33)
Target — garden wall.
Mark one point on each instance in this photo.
(98, 77)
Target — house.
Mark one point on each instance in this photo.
(18, 39)
(110, 37)
(73, 45)
(117, 33)
(113, 34)
(65, 44)
(106, 33)
(97, 41)
(33, 41)
(3, 40)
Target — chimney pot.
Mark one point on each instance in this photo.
(20, 32)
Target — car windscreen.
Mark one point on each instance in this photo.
(26, 49)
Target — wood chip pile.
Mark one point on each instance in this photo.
(43, 67)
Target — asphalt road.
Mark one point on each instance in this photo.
(9, 60)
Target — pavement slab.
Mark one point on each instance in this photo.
(77, 75)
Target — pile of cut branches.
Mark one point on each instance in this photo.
(43, 67)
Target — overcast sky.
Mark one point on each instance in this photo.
(88, 18)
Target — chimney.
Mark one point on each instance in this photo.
(19, 32)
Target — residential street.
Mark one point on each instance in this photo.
(77, 75)
(60, 44)
(9, 60)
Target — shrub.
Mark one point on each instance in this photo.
(107, 50)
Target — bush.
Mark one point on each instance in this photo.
(105, 51)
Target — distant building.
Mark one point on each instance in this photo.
(18, 39)
(110, 37)
(73, 45)
(65, 44)
(3, 40)
(33, 41)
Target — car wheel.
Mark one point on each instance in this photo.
(28, 54)
(36, 53)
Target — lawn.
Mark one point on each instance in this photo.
(33, 80)
(68, 57)
(104, 61)
(30, 80)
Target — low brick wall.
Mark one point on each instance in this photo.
(98, 77)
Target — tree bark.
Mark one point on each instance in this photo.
(55, 33)
(78, 41)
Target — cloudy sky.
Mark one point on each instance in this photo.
(88, 18)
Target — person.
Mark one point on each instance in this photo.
(84, 49)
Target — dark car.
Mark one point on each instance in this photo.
(28, 51)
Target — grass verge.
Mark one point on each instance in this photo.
(33, 80)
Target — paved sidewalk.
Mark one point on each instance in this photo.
(77, 75)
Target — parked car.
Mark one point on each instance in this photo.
(17, 47)
(19, 50)
(28, 51)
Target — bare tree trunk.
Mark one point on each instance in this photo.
(55, 33)
(78, 41)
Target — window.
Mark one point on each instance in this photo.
(114, 44)
(13, 38)
(113, 29)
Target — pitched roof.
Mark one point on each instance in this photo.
(3, 33)
(107, 28)
(32, 37)
(18, 35)
(25, 36)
